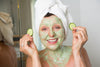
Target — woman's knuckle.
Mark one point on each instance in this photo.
(84, 28)
(84, 40)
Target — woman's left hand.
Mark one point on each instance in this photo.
(79, 37)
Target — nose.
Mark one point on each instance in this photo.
(51, 33)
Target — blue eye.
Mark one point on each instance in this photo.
(44, 29)
(57, 27)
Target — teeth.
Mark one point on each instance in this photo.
(52, 40)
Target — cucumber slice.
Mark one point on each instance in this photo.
(72, 25)
(30, 32)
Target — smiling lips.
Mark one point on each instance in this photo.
(52, 41)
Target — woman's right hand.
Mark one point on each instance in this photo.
(29, 49)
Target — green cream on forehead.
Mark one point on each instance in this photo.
(53, 19)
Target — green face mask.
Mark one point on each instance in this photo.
(51, 32)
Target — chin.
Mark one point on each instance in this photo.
(52, 47)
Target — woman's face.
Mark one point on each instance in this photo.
(51, 32)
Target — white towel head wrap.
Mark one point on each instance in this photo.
(42, 7)
(6, 25)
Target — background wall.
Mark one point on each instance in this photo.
(21, 18)
(10, 6)
(87, 13)
(25, 16)
(74, 9)
(21, 21)
(90, 18)
(7, 7)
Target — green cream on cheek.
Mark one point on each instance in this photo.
(57, 34)
(60, 34)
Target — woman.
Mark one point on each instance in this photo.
(52, 35)
(51, 19)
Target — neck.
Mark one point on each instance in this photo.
(58, 51)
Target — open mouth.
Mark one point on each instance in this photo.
(52, 41)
